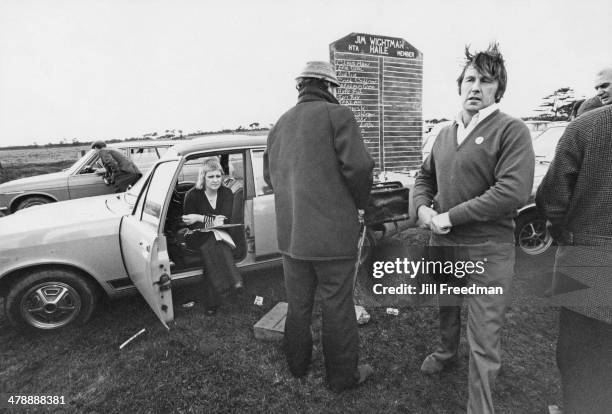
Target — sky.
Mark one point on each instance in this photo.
(114, 69)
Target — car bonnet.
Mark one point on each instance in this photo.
(77, 212)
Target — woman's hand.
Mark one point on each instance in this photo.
(190, 219)
(219, 220)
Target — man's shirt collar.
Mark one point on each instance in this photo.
(464, 131)
(479, 117)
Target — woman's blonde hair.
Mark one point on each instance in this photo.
(210, 164)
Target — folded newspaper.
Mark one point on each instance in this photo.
(221, 235)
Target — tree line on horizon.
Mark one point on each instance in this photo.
(556, 106)
(170, 134)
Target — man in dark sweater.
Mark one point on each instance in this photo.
(479, 172)
(576, 197)
(321, 173)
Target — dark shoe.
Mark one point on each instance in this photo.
(364, 371)
(298, 374)
(432, 366)
(239, 289)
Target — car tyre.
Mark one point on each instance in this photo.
(531, 234)
(32, 201)
(47, 300)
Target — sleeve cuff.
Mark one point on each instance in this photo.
(444, 220)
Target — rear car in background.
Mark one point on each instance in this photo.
(82, 179)
(430, 137)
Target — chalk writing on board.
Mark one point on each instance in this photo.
(381, 81)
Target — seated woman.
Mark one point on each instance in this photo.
(206, 205)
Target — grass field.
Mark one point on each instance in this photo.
(214, 364)
(18, 163)
(41, 155)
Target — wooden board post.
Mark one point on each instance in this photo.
(272, 325)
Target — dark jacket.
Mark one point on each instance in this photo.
(576, 193)
(197, 203)
(321, 173)
(116, 163)
(576, 196)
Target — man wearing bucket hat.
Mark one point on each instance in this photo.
(321, 173)
(120, 170)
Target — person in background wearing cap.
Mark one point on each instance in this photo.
(321, 173)
(120, 170)
(479, 172)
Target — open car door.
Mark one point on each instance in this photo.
(143, 243)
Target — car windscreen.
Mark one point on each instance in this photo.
(81, 162)
(170, 153)
(545, 144)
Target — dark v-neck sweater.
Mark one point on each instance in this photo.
(197, 203)
(480, 182)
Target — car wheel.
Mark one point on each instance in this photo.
(531, 234)
(46, 300)
(32, 201)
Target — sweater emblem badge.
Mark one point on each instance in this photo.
(479, 140)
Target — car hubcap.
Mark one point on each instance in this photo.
(534, 237)
(50, 305)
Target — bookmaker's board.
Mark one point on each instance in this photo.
(381, 80)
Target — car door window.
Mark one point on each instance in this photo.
(144, 157)
(261, 187)
(151, 205)
(161, 151)
(91, 165)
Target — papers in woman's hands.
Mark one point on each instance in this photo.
(222, 226)
(221, 235)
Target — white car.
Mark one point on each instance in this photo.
(57, 259)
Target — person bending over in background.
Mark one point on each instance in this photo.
(120, 170)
